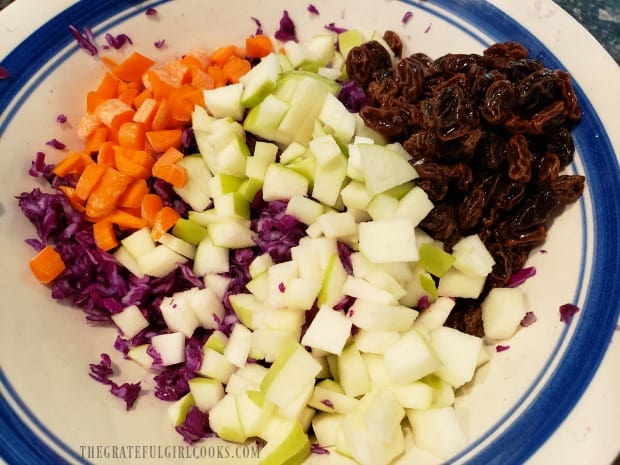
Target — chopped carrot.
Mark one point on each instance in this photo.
(132, 135)
(133, 67)
(201, 79)
(163, 139)
(47, 265)
(164, 220)
(167, 169)
(183, 100)
(109, 62)
(125, 220)
(73, 163)
(95, 139)
(146, 112)
(178, 72)
(105, 155)
(93, 100)
(218, 75)
(223, 54)
(163, 118)
(128, 95)
(87, 124)
(108, 87)
(151, 204)
(160, 83)
(88, 180)
(258, 46)
(141, 97)
(133, 195)
(104, 198)
(125, 164)
(235, 68)
(114, 112)
(105, 237)
(74, 200)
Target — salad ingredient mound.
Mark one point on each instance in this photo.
(274, 248)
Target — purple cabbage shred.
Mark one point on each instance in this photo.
(337, 29)
(567, 311)
(4, 73)
(286, 31)
(150, 11)
(521, 276)
(117, 41)
(56, 144)
(424, 302)
(38, 167)
(328, 403)
(85, 39)
(102, 371)
(501, 348)
(528, 320)
(313, 9)
(352, 96)
(61, 118)
(407, 17)
(195, 427)
(259, 25)
(315, 448)
(159, 43)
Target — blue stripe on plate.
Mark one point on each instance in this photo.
(596, 324)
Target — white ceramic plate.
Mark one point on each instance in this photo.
(535, 402)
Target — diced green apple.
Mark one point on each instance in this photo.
(472, 257)
(179, 409)
(216, 341)
(502, 311)
(283, 183)
(238, 346)
(130, 321)
(189, 231)
(207, 306)
(287, 443)
(215, 365)
(196, 190)
(292, 370)
(225, 101)
(329, 397)
(383, 168)
(170, 347)
(224, 420)
(139, 242)
(304, 209)
(457, 284)
(372, 316)
(260, 80)
(411, 358)
(434, 259)
(436, 314)
(178, 245)
(210, 258)
(375, 342)
(231, 235)
(458, 353)
(353, 375)
(384, 241)
(328, 331)
(160, 261)
(334, 277)
(437, 431)
(206, 392)
(178, 314)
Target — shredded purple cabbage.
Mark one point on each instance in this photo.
(85, 39)
(61, 118)
(56, 144)
(315, 448)
(352, 96)
(313, 9)
(150, 11)
(521, 276)
(286, 31)
(428, 28)
(117, 41)
(328, 403)
(567, 311)
(337, 29)
(424, 302)
(102, 371)
(407, 17)
(528, 320)
(195, 427)
(344, 253)
(38, 168)
(259, 25)
(277, 232)
(501, 348)
(159, 43)
(4, 73)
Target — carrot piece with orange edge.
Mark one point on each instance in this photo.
(132, 134)
(125, 164)
(235, 68)
(164, 220)
(141, 97)
(183, 100)
(163, 118)
(167, 169)
(258, 46)
(93, 100)
(72, 163)
(133, 195)
(146, 112)
(104, 234)
(105, 155)
(74, 200)
(223, 54)
(88, 180)
(113, 113)
(133, 67)
(87, 124)
(108, 87)
(159, 83)
(163, 139)
(150, 205)
(47, 265)
(95, 139)
(128, 95)
(125, 220)
(218, 75)
(104, 198)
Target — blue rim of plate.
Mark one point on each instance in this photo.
(19, 444)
